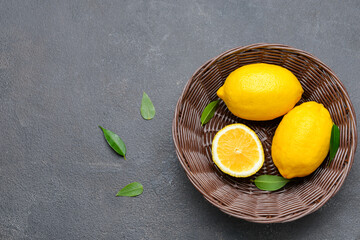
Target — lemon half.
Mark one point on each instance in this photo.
(237, 151)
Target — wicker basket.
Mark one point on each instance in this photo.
(239, 197)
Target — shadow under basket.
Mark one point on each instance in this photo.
(239, 197)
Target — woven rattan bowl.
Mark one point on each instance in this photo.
(239, 197)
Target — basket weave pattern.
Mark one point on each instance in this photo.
(239, 197)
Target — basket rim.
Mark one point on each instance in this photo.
(290, 49)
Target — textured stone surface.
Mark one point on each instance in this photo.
(68, 66)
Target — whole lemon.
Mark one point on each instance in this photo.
(260, 91)
(302, 140)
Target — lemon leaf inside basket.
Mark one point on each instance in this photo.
(270, 182)
(334, 141)
(209, 112)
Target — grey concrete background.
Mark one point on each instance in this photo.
(68, 66)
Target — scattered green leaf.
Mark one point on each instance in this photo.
(270, 182)
(131, 190)
(209, 112)
(115, 142)
(147, 108)
(334, 141)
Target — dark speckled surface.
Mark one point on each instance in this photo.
(68, 66)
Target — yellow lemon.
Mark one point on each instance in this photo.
(260, 91)
(302, 140)
(237, 151)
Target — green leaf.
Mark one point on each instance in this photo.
(270, 182)
(334, 141)
(114, 141)
(147, 108)
(131, 190)
(209, 112)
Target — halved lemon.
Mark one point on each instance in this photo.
(237, 151)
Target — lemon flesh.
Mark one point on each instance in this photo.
(260, 91)
(237, 151)
(302, 140)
